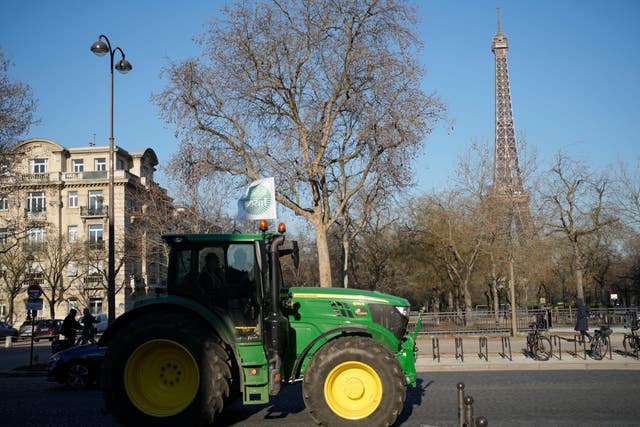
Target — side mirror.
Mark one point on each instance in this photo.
(290, 247)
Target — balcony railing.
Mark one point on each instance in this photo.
(96, 246)
(94, 282)
(93, 211)
(37, 177)
(35, 214)
(29, 247)
(70, 176)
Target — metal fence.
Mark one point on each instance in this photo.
(490, 322)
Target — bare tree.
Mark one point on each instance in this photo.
(14, 264)
(201, 194)
(17, 106)
(319, 94)
(52, 262)
(450, 222)
(627, 194)
(576, 199)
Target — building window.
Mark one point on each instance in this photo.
(39, 165)
(73, 304)
(3, 235)
(78, 165)
(35, 235)
(36, 201)
(95, 237)
(4, 202)
(95, 305)
(101, 164)
(72, 269)
(73, 199)
(73, 233)
(95, 202)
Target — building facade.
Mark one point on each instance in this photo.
(54, 228)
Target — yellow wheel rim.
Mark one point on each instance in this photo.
(161, 378)
(353, 390)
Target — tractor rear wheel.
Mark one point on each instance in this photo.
(166, 370)
(354, 381)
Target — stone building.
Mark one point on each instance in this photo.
(54, 228)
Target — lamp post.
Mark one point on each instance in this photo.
(101, 48)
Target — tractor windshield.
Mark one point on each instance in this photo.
(223, 276)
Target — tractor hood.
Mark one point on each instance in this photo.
(346, 294)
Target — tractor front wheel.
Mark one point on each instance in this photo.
(354, 381)
(166, 370)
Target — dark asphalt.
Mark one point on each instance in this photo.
(506, 398)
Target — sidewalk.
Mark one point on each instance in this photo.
(15, 361)
(563, 357)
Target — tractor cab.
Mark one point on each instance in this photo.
(222, 272)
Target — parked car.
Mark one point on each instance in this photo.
(78, 367)
(102, 321)
(7, 330)
(26, 329)
(47, 329)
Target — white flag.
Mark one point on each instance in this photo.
(258, 200)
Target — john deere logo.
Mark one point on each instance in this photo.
(257, 201)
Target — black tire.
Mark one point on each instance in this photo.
(166, 370)
(599, 348)
(626, 344)
(630, 344)
(378, 392)
(78, 376)
(543, 348)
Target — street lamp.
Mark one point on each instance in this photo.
(101, 48)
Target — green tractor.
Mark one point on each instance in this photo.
(228, 327)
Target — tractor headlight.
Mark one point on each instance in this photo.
(393, 318)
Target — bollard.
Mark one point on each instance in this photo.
(481, 422)
(468, 412)
(460, 387)
(8, 341)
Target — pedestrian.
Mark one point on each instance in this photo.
(70, 327)
(88, 330)
(582, 319)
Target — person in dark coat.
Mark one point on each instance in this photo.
(70, 326)
(88, 330)
(582, 318)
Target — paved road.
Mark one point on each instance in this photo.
(506, 398)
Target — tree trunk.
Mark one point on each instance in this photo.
(579, 283)
(512, 295)
(579, 273)
(346, 247)
(324, 262)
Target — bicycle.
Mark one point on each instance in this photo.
(600, 342)
(539, 345)
(631, 342)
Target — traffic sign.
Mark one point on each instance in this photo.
(35, 304)
(34, 291)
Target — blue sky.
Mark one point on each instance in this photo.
(573, 65)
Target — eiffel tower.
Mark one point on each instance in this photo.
(509, 197)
